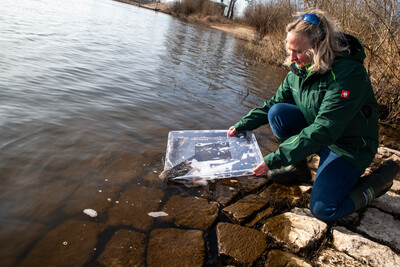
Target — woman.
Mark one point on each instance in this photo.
(325, 105)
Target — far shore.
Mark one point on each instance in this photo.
(388, 134)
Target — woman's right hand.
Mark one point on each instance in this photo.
(231, 132)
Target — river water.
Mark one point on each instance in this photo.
(89, 92)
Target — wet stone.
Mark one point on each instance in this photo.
(121, 170)
(363, 249)
(126, 248)
(133, 206)
(190, 212)
(285, 197)
(330, 257)
(14, 239)
(295, 231)
(176, 247)
(152, 177)
(381, 226)
(240, 244)
(250, 184)
(70, 244)
(389, 202)
(91, 196)
(221, 191)
(260, 216)
(282, 258)
(245, 207)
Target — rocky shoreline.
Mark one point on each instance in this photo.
(237, 221)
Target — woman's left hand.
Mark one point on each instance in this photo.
(261, 169)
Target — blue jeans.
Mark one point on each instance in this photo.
(335, 178)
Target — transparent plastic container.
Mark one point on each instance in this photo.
(210, 154)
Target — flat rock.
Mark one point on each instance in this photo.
(330, 257)
(389, 202)
(250, 184)
(282, 258)
(222, 191)
(191, 212)
(395, 187)
(70, 244)
(295, 231)
(363, 249)
(268, 212)
(15, 238)
(151, 177)
(245, 207)
(126, 248)
(92, 196)
(381, 226)
(285, 197)
(176, 247)
(121, 170)
(133, 206)
(241, 244)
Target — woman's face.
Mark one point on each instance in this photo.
(298, 45)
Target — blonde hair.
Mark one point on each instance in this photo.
(326, 40)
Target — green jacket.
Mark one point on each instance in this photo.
(339, 106)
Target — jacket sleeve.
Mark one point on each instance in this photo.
(259, 116)
(342, 101)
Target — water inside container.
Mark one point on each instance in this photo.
(210, 154)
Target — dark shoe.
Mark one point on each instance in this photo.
(374, 185)
(293, 174)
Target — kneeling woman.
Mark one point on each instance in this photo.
(325, 105)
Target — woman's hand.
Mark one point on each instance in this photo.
(261, 169)
(231, 132)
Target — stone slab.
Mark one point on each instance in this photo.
(330, 257)
(121, 170)
(125, 248)
(285, 197)
(389, 202)
(15, 237)
(94, 196)
(222, 191)
(245, 208)
(133, 206)
(241, 244)
(176, 247)
(262, 215)
(190, 212)
(70, 244)
(363, 249)
(395, 187)
(295, 231)
(283, 258)
(381, 226)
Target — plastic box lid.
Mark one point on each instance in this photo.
(211, 154)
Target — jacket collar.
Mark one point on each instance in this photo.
(300, 72)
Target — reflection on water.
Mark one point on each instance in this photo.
(89, 91)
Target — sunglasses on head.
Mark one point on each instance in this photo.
(311, 18)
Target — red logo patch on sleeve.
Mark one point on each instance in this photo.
(345, 94)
